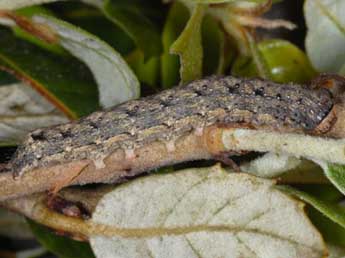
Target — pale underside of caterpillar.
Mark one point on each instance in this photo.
(171, 114)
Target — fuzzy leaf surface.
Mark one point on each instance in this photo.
(116, 81)
(204, 213)
(325, 41)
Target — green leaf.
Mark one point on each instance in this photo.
(175, 22)
(147, 72)
(323, 192)
(213, 42)
(29, 12)
(189, 46)
(325, 41)
(331, 231)
(127, 15)
(92, 20)
(63, 80)
(205, 212)
(285, 61)
(336, 174)
(61, 246)
(116, 81)
(324, 212)
(333, 211)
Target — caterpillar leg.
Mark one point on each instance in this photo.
(225, 159)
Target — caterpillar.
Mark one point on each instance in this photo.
(121, 138)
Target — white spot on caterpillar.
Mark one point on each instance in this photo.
(170, 145)
(68, 148)
(129, 154)
(98, 141)
(168, 122)
(199, 131)
(99, 162)
(132, 132)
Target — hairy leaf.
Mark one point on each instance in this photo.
(204, 213)
(63, 80)
(189, 46)
(271, 165)
(21, 110)
(325, 42)
(29, 12)
(297, 145)
(93, 20)
(116, 81)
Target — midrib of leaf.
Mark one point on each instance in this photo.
(328, 14)
(176, 231)
(15, 70)
(89, 228)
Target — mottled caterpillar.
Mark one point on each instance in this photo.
(129, 137)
